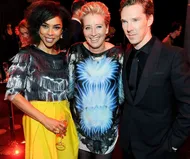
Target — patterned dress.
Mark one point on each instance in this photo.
(43, 80)
(40, 76)
(96, 92)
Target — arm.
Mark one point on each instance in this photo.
(27, 108)
(71, 68)
(19, 71)
(120, 88)
(180, 77)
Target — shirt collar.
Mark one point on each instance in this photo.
(147, 47)
(73, 18)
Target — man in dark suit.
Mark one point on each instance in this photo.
(77, 35)
(156, 115)
(175, 32)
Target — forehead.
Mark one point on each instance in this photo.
(132, 11)
(90, 19)
(54, 21)
(23, 29)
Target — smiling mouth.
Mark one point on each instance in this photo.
(131, 34)
(94, 40)
(49, 40)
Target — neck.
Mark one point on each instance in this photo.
(76, 16)
(98, 50)
(144, 41)
(73, 18)
(51, 51)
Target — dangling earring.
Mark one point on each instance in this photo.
(61, 37)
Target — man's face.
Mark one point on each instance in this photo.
(9, 27)
(178, 32)
(136, 25)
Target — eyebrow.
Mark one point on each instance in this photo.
(57, 25)
(122, 20)
(53, 25)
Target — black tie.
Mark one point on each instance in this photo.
(133, 73)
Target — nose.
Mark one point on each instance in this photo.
(50, 31)
(129, 27)
(93, 31)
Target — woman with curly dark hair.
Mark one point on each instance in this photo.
(38, 85)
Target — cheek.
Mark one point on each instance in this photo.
(59, 36)
(142, 29)
(59, 33)
(26, 35)
(124, 28)
(40, 33)
(104, 36)
(86, 34)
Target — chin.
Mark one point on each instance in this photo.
(133, 42)
(95, 46)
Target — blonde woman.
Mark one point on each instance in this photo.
(95, 84)
(23, 33)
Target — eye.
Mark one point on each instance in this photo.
(57, 27)
(44, 26)
(99, 26)
(87, 28)
(123, 21)
(135, 20)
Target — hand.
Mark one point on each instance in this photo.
(54, 125)
(63, 133)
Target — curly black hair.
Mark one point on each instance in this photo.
(41, 11)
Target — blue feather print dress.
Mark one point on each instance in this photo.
(96, 93)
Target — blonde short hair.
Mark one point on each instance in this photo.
(95, 8)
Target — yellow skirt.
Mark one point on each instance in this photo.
(40, 142)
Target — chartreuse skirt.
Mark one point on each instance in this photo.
(40, 142)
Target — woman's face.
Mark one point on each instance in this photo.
(24, 36)
(50, 32)
(95, 30)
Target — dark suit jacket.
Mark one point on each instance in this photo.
(77, 33)
(149, 122)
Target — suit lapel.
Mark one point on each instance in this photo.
(149, 68)
(125, 82)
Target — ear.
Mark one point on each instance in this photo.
(150, 20)
(61, 37)
(107, 29)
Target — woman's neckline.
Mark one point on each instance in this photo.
(52, 54)
(97, 54)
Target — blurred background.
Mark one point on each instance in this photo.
(166, 11)
(12, 12)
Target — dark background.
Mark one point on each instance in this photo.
(166, 11)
